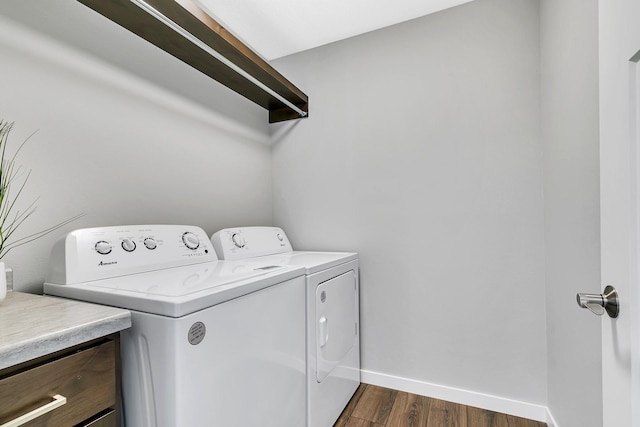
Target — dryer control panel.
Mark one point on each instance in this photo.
(104, 252)
(250, 242)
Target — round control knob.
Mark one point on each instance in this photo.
(280, 237)
(128, 245)
(238, 240)
(190, 240)
(150, 243)
(103, 248)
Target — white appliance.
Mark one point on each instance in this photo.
(212, 343)
(332, 313)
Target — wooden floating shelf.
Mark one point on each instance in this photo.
(190, 17)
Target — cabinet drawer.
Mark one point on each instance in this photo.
(107, 420)
(86, 378)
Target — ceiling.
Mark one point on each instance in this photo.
(277, 28)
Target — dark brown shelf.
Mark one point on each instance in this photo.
(194, 20)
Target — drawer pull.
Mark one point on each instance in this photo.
(58, 401)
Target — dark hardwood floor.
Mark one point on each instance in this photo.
(373, 406)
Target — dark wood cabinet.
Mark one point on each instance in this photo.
(87, 376)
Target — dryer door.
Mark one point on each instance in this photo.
(336, 328)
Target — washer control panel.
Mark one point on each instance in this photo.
(250, 242)
(99, 253)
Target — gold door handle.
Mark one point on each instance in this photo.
(58, 401)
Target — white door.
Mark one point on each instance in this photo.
(619, 34)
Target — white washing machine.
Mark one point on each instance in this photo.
(332, 313)
(212, 343)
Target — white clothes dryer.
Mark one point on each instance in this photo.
(332, 312)
(212, 343)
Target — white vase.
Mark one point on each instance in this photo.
(3, 281)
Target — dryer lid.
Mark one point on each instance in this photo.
(314, 262)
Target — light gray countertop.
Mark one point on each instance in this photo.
(33, 325)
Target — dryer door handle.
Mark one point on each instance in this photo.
(323, 327)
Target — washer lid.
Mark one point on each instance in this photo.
(178, 291)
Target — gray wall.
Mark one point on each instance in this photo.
(422, 152)
(569, 64)
(122, 150)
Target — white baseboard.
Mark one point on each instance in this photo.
(465, 397)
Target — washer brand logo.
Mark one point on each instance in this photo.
(102, 263)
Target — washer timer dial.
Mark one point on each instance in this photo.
(190, 240)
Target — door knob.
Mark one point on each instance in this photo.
(599, 303)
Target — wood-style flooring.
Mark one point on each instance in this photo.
(373, 406)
